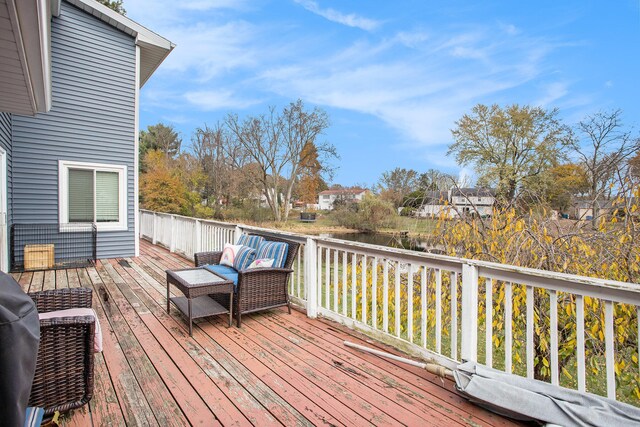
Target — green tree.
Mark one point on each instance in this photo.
(508, 146)
(159, 137)
(115, 5)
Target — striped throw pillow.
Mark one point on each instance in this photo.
(244, 258)
(274, 250)
(251, 241)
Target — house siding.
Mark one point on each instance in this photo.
(92, 120)
(5, 143)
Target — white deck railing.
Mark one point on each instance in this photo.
(448, 308)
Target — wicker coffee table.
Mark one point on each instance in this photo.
(197, 284)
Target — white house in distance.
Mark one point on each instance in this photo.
(327, 197)
(458, 202)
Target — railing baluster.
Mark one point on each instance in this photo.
(580, 343)
(300, 255)
(397, 300)
(344, 283)
(424, 299)
(530, 352)
(410, 304)
(553, 318)
(609, 349)
(453, 286)
(327, 278)
(354, 283)
(310, 280)
(488, 342)
(385, 296)
(438, 311)
(319, 276)
(469, 313)
(363, 280)
(336, 287)
(508, 334)
(374, 293)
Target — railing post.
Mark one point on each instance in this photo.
(198, 236)
(237, 233)
(469, 345)
(154, 234)
(311, 276)
(172, 238)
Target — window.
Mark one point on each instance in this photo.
(93, 193)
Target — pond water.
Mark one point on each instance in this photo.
(382, 239)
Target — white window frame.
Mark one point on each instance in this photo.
(63, 192)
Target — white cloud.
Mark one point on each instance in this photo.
(209, 100)
(552, 93)
(350, 20)
(209, 50)
(421, 94)
(510, 29)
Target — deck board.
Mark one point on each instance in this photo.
(278, 369)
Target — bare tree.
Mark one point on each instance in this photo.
(275, 143)
(604, 147)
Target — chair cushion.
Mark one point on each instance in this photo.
(262, 263)
(229, 254)
(251, 241)
(225, 271)
(244, 257)
(274, 250)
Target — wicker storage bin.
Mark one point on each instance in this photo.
(39, 257)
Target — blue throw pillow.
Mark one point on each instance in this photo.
(274, 250)
(251, 241)
(244, 258)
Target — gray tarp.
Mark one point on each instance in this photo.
(527, 399)
(19, 339)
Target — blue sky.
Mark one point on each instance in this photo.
(394, 76)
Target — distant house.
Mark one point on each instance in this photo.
(473, 201)
(69, 101)
(434, 204)
(328, 197)
(458, 202)
(583, 209)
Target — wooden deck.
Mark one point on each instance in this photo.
(278, 369)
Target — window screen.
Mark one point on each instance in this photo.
(80, 195)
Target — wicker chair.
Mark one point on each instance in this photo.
(260, 288)
(64, 368)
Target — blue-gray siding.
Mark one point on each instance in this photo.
(5, 143)
(92, 120)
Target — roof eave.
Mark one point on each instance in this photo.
(30, 22)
